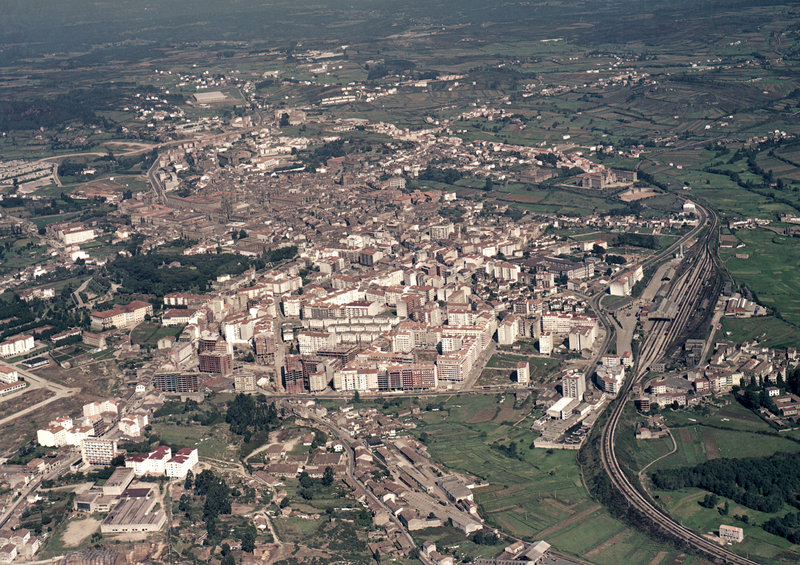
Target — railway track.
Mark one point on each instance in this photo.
(686, 292)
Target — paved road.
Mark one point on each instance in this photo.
(346, 439)
(60, 393)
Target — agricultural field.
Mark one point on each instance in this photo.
(148, 333)
(313, 529)
(770, 271)
(210, 441)
(17, 253)
(501, 369)
(759, 545)
(769, 331)
(729, 431)
(540, 493)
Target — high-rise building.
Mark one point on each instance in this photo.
(215, 362)
(264, 346)
(98, 451)
(176, 382)
(409, 377)
(523, 373)
(293, 380)
(573, 385)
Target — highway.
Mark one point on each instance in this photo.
(686, 292)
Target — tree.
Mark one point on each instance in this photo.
(242, 234)
(187, 484)
(249, 539)
(118, 461)
(284, 120)
(327, 477)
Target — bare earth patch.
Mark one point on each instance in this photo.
(571, 520)
(79, 530)
(483, 416)
(506, 413)
(606, 544)
(658, 558)
(712, 449)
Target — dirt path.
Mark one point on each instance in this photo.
(674, 449)
(571, 520)
(658, 558)
(606, 544)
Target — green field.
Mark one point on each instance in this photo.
(148, 333)
(210, 441)
(540, 494)
(729, 431)
(758, 544)
(770, 272)
(769, 331)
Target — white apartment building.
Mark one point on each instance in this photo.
(582, 337)
(523, 372)
(99, 407)
(183, 462)
(17, 345)
(8, 374)
(356, 378)
(610, 379)
(310, 341)
(98, 451)
(508, 330)
(546, 343)
(573, 385)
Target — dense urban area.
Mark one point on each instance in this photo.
(445, 283)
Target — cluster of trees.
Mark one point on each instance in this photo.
(444, 175)
(485, 538)
(645, 240)
(389, 67)
(711, 501)
(509, 450)
(61, 204)
(20, 316)
(314, 158)
(760, 483)
(754, 396)
(151, 273)
(548, 158)
(309, 485)
(78, 105)
(248, 415)
(793, 380)
(787, 526)
(281, 254)
(615, 259)
(217, 495)
(452, 212)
